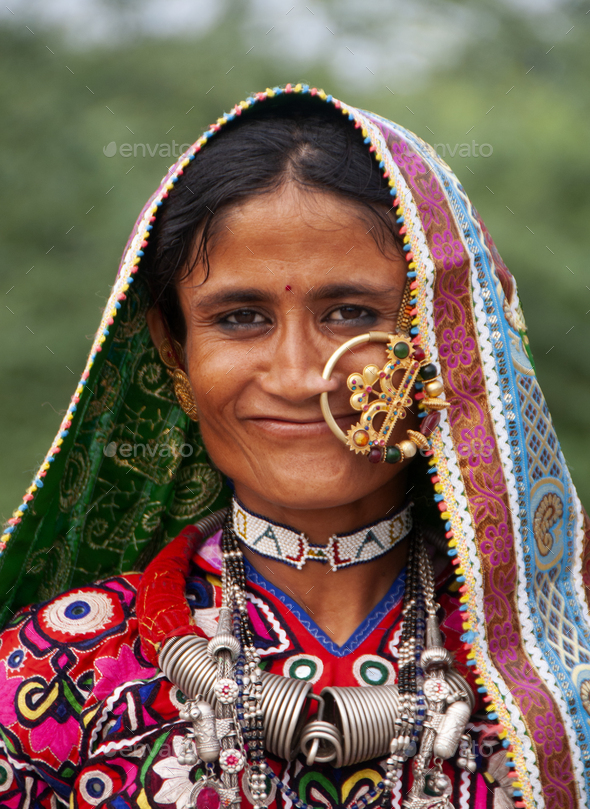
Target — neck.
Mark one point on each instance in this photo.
(337, 601)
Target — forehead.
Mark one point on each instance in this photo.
(294, 235)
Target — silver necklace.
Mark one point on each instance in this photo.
(238, 711)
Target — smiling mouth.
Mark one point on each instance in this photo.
(301, 428)
(318, 420)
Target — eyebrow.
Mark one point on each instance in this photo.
(322, 292)
(229, 296)
(343, 290)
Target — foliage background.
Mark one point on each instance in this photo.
(76, 75)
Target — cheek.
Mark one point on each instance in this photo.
(226, 384)
(213, 378)
(217, 382)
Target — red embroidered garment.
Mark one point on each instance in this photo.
(86, 720)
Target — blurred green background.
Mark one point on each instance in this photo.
(78, 75)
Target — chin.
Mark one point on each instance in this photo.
(316, 483)
(309, 498)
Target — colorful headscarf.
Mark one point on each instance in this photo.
(514, 524)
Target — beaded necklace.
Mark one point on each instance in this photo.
(237, 710)
(276, 541)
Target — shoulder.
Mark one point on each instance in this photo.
(60, 657)
(59, 661)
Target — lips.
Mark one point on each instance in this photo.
(281, 426)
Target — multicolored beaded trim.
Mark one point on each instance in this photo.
(279, 542)
(416, 309)
(444, 494)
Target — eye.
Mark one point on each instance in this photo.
(244, 317)
(348, 313)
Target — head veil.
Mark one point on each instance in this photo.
(513, 521)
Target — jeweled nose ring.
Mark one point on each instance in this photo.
(374, 392)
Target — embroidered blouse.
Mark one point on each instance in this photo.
(86, 721)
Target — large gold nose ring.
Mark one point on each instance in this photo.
(373, 392)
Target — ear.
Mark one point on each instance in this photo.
(156, 326)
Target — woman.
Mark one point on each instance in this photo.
(391, 609)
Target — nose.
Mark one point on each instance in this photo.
(294, 371)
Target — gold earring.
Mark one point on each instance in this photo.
(172, 356)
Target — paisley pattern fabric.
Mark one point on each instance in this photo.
(85, 720)
(513, 521)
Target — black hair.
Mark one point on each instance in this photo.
(291, 139)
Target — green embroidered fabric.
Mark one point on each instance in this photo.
(132, 472)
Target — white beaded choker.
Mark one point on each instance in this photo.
(279, 542)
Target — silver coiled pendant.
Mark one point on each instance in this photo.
(186, 663)
(359, 722)
(365, 718)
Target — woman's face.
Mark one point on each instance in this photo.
(293, 276)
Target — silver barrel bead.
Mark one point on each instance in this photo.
(451, 729)
(208, 746)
